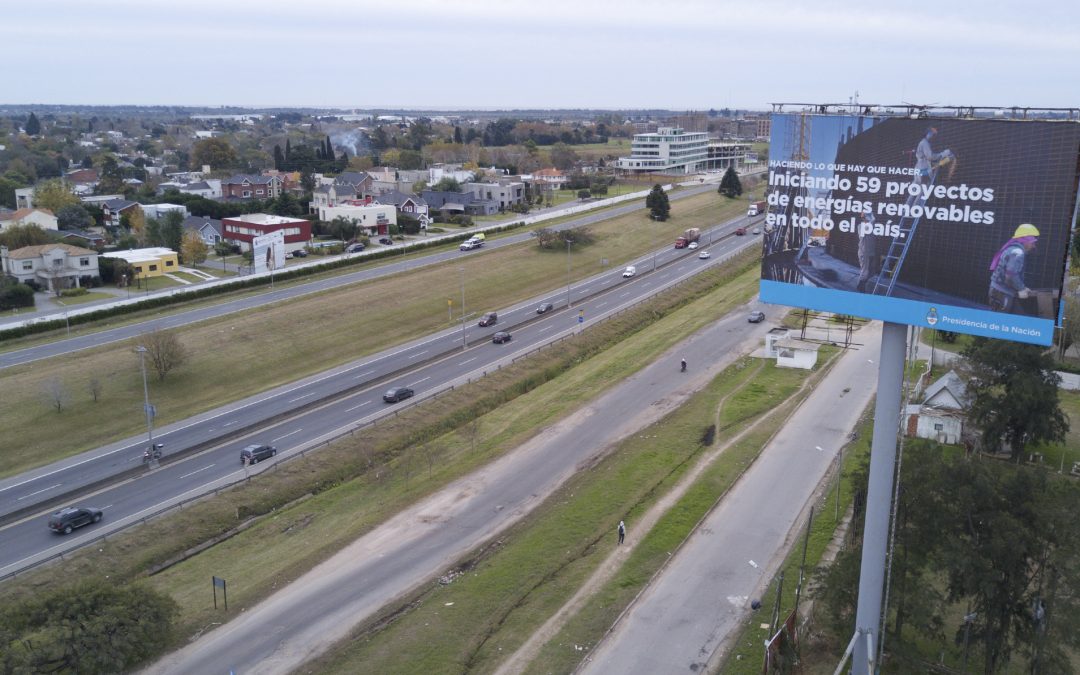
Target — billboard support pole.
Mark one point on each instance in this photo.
(868, 618)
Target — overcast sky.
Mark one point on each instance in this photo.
(675, 54)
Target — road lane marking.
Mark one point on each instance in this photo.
(413, 384)
(468, 361)
(541, 330)
(361, 405)
(625, 294)
(601, 305)
(294, 400)
(363, 374)
(228, 424)
(274, 440)
(418, 354)
(39, 491)
(196, 471)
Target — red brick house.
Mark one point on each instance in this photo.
(247, 186)
(243, 229)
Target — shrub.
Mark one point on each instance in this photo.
(14, 295)
(72, 292)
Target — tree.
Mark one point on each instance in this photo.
(112, 179)
(33, 126)
(658, 204)
(730, 185)
(279, 158)
(134, 221)
(1069, 334)
(19, 236)
(583, 194)
(547, 237)
(73, 217)
(563, 156)
(1015, 394)
(343, 228)
(307, 180)
(56, 393)
(447, 184)
(193, 249)
(457, 135)
(54, 195)
(164, 350)
(171, 232)
(214, 151)
(91, 627)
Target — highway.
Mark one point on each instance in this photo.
(307, 413)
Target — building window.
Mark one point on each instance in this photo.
(168, 263)
(153, 268)
(247, 193)
(938, 426)
(85, 262)
(28, 265)
(258, 192)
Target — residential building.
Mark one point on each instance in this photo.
(504, 193)
(247, 186)
(53, 266)
(208, 229)
(98, 200)
(148, 262)
(209, 188)
(159, 211)
(373, 217)
(549, 179)
(941, 415)
(357, 181)
(455, 203)
(84, 239)
(405, 203)
(437, 172)
(24, 198)
(113, 209)
(243, 229)
(669, 150)
(43, 218)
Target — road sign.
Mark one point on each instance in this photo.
(151, 410)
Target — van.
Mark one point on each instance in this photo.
(629, 272)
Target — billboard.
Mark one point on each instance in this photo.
(956, 224)
(268, 251)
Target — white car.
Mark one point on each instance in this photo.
(692, 245)
(704, 255)
(629, 272)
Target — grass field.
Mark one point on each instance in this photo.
(83, 299)
(352, 321)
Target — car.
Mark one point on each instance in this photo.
(67, 519)
(756, 317)
(468, 245)
(354, 248)
(489, 319)
(544, 308)
(740, 231)
(692, 245)
(396, 394)
(757, 230)
(301, 253)
(704, 255)
(253, 454)
(386, 240)
(629, 272)
(500, 337)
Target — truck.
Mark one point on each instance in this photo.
(691, 235)
(756, 209)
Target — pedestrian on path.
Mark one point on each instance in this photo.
(622, 531)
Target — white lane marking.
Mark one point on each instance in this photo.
(294, 400)
(195, 471)
(229, 424)
(361, 405)
(273, 440)
(418, 354)
(541, 330)
(39, 491)
(413, 384)
(601, 305)
(468, 361)
(625, 294)
(363, 374)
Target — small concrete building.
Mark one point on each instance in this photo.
(148, 262)
(795, 353)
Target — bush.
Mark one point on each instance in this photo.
(73, 292)
(14, 295)
(463, 221)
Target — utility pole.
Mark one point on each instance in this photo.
(147, 408)
(568, 303)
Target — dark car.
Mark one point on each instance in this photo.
(740, 231)
(396, 394)
(253, 454)
(386, 240)
(756, 317)
(354, 248)
(300, 253)
(489, 319)
(66, 520)
(545, 308)
(500, 337)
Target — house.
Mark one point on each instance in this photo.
(208, 229)
(290, 180)
(330, 195)
(159, 211)
(148, 262)
(43, 218)
(453, 203)
(940, 417)
(549, 179)
(404, 203)
(503, 193)
(24, 198)
(247, 186)
(113, 209)
(53, 266)
(210, 188)
(373, 217)
(82, 177)
(357, 181)
(84, 239)
(243, 229)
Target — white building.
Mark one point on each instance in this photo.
(43, 218)
(54, 266)
(373, 218)
(158, 211)
(668, 150)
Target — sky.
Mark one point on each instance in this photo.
(506, 54)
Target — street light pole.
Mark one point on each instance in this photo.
(146, 399)
(568, 303)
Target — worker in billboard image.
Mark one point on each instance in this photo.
(867, 253)
(925, 157)
(1007, 287)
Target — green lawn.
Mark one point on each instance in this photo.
(381, 313)
(83, 299)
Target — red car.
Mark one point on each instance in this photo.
(740, 232)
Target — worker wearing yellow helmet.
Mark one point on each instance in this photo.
(1007, 286)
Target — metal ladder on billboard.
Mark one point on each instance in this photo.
(898, 249)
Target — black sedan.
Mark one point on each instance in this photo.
(396, 394)
(544, 308)
(500, 337)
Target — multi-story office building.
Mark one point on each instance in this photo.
(668, 150)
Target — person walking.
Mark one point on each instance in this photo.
(622, 531)
(1007, 286)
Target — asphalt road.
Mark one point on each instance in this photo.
(355, 394)
(320, 607)
(679, 624)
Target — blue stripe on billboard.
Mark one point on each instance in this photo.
(912, 312)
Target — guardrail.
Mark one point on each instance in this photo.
(228, 481)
